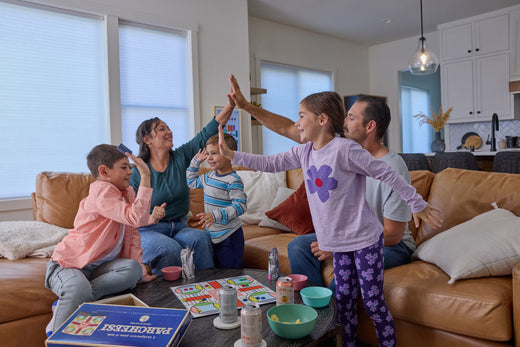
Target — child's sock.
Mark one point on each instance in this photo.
(48, 329)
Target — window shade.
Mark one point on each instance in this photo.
(52, 96)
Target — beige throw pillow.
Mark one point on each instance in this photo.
(260, 188)
(486, 245)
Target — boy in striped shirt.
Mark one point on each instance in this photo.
(224, 201)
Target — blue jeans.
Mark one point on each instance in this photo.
(302, 261)
(162, 244)
(76, 286)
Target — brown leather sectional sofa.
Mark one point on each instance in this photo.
(427, 310)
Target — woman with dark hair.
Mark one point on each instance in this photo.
(162, 242)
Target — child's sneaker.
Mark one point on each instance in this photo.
(48, 328)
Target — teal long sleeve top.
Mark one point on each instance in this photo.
(170, 185)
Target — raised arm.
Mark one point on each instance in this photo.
(279, 124)
(224, 115)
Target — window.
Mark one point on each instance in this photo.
(287, 86)
(416, 138)
(52, 96)
(153, 69)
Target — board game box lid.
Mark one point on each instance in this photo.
(115, 325)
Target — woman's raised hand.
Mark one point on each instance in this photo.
(224, 115)
(224, 149)
(236, 94)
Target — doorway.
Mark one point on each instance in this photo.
(417, 94)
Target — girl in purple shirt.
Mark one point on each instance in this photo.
(335, 169)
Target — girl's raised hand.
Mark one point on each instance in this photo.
(224, 149)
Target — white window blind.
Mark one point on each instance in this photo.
(154, 81)
(52, 94)
(286, 87)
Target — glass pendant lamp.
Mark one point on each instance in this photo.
(423, 61)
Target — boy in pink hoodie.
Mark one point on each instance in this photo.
(102, 255)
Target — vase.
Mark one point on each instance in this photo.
(438, 144)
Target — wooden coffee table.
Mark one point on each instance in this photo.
(202, 332)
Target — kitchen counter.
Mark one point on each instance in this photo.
(484, 158)
(480, 153)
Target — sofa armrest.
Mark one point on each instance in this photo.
(516, 304)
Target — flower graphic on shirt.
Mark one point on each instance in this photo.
(320, 182)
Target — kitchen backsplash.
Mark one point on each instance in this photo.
(457, 131)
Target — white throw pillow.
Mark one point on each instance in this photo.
(261, 188)
(486, 245)
(281, 195)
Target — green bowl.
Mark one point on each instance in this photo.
(316, 296)
(288, 314)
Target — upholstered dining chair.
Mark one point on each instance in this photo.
(415, 161)
(507, 161)
(460, 160)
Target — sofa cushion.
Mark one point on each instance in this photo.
(419, 293)
(281, 195)
(464, 194)
(22, 290)
(294, 212)
(486, 245)
(57, 197)
(253, 230)
(260, 188)
(421, 180)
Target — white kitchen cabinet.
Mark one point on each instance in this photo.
(457, 42)
(514, 59)
(491, 35)
(475, 69)
(492, 87)
(475, 38)
(477, 88)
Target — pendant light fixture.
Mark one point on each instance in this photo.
(423, 61)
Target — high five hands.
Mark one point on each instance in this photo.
(224, 149)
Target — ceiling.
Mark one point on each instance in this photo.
(363, 21)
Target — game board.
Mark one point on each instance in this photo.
(201, 299)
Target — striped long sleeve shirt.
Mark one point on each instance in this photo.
(224, 198)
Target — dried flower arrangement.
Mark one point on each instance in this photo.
(437, 121)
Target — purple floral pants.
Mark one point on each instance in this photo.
(363, 269)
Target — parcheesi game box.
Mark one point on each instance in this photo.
(94, 324)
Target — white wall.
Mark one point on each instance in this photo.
(222, 48)
(289, 45)
(385, 61)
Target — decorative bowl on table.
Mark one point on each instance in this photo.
(292, 321)
(316, 296)
(299, 281)
(171, 273)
